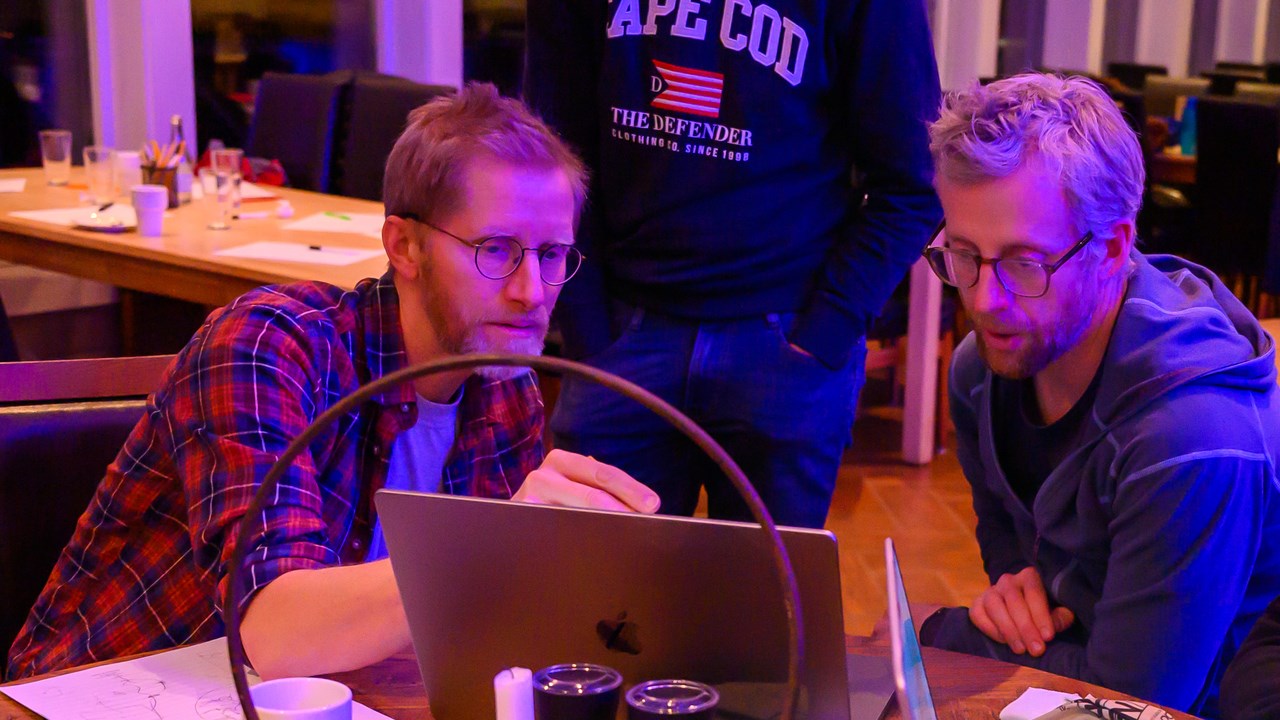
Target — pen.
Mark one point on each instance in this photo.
(250, 215)
(340, 216)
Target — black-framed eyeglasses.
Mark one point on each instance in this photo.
(1020, 276)
(498, 256)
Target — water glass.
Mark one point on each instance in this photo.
(55, 152)
(100, 170)
(226, 170)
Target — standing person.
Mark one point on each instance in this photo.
(1117, 415)
(734, 266)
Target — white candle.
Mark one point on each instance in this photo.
(513, 694)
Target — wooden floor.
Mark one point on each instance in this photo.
(926, 510)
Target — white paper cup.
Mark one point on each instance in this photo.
(302, 699)
(149, 202)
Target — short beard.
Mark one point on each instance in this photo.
(1062, 336)
(474, 343)
(459, 338)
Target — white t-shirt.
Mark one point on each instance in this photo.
(418, 456)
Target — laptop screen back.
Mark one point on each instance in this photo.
(914, 699)
(489, 584)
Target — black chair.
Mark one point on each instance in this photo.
(62, 422)
(1237, 226)
(377, 107)
(294, 121)
(1223, 82)
(1161, 93)
(1241, 67)
(1134, 75)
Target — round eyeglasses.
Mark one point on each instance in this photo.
(498, 256)
(1020, 276)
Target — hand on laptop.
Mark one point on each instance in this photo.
(566, 478)
(1015, 611)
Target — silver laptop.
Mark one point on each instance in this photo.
(915, 702)
(489, 584)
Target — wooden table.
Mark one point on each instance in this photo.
(180, 264)
(1173, 168)
(964, 687)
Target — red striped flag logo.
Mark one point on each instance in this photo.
(687, 90)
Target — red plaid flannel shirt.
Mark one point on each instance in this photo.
(147, 566)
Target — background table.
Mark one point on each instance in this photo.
(181, 263)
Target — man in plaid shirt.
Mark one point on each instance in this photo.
(473, 186)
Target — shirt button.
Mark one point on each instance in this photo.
(404, 407)
(357, 544)
(377, 449)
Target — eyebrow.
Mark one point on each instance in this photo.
(1021, 244)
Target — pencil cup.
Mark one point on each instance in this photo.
(166, 177)
(149, 202)
(302, 698)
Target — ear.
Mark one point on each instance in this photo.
(403, 247)
(1119, 246)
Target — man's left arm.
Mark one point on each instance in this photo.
(1185, 536)
(892, 93)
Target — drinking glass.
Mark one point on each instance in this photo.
(55, 152)
(100, 169)
(226, 170)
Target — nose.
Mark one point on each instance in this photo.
(988, 295)
(525, 286)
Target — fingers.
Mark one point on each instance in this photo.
(1015, 611)
(1063, 618)
(570, 479)
(546, 487)
(1038, 626)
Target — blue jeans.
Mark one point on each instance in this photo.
(784, 417)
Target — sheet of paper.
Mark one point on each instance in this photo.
(189, 683)
(294, 252)
(249, 191)
(68, 217)
(359, 223)
(1034, 703)
(13, 185)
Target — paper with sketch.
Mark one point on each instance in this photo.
(359, 223)
(189, 683)
(13, 185)
(294, 252)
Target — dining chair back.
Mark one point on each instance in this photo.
(294, 121)
(62, 423)
(377, 108)
(1235, 194)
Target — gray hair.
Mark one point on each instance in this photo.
(1069, 123)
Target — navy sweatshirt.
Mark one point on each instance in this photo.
(723, 136)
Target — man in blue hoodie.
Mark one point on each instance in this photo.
(1116, 414)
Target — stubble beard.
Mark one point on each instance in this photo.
(459, 335)
(1045, 345)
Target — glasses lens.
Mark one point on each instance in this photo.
(558, 263)
(498, 256)
(954, 267)
(1027, 278)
